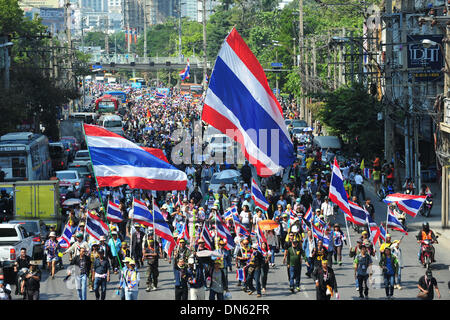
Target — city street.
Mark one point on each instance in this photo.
(278, 286)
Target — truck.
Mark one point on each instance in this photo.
(13, 237)
(36, 200)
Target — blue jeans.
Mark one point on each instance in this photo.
(294, 276)
(399, 276)
(389, 284)
(272, 252)
(131, 294)
(100, 283)
(81, 283)
(310, 269)
(213, 294)
(257, 277)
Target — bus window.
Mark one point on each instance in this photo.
(19, 168)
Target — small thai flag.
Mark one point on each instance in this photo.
(113, 213)
(258, 197)
(240, 275)
(308, 216)
(64, 240)
(393, 222)
(368, 173)
(96, 227)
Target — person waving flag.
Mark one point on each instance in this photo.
(239, 101)
(337, 192)
(184, 74)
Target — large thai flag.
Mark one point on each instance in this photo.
(161, 228)
(64, 240)
(240, 104)
(359, 214)
(337, 192)
(408, 203)
(118, 161)
(141, 213)
(96, 227)
(258, 197)
(393, 222)
(113, 213)
(207, 237)
(224, 233)
(184, 74)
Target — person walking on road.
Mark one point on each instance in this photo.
(131, 281)
(363, 263)
(100, 275)
(293, 259)
(181, 280)
(426, 285)
(30, 287)
(325, 280)
(219, 283)
(83, 262)
(389, 264)
(151, 253)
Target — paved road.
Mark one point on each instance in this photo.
(277, 287)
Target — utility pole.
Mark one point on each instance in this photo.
(69, 44)
(179, 30)
(388, 126)
(106, 35)
(301, 64)
(145, 29)
(204, 45)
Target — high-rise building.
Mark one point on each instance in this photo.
(210, 5)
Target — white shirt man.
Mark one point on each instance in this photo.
(327, 210)
(359, 179)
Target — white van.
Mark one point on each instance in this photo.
(112, 123)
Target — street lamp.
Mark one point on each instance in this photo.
(427, 43)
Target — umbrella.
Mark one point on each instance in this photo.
(307, 129)
(268, 225)
(228, 174)
(207, 253)
(71, 202)
(93, 204)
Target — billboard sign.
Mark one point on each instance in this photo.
(428, 61)
(53, 18)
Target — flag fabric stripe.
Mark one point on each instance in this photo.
(64, 240)
(184, 74)
(238, 45)
(408, 203)
(96, 227)
(238, 83)
(113, 213)
(337, 192)
(117, 161)
(258, 197)
(358, 214)
(393, 222)
(141, 213)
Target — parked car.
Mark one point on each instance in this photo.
(84, 169)
(59, 155)
(39, 231)
(13, 237)
(73, 140)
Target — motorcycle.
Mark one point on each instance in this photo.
(426, 207)
(426, 252)
(384, 191)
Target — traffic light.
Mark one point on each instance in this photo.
(167, 63)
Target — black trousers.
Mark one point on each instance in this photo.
(152, 275)
(181, 293)
(363, 280)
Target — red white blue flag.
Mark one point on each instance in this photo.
(394, 223)
(96, 227)
(162, 228)
(359, 215)
(118, 161)
(207, 237)
(337, 192)
(224, 233)
(408, 203)
(258, 197)
(113, 212)
(240, 104)
(184, 74)
(141, 213)
(64, 240)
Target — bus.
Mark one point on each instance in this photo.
(136, 82)
(194, 89)
(106, 104)
(25, 156)
(122, 96)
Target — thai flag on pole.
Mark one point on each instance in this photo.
(240, 275)
(161, 228)
(224, 233)
(408, 203)
(118, 161)
(141, 213)
(373, 228)
(368, 173)
(239, 101)
(308, 215)
(64, 240)
(96, 227)
(393, 222)
(258, 197)
(207, 237)
(243, 232)
(185, 233)
(358, 214)
(317, 232)
(337, 192)
(113, 213)
(230, 213)
(325, 241)
(261, 238)
(184, 74)
(382, 233)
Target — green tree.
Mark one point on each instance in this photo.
(351, 113)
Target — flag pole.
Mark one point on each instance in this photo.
(100, 197)
(348, 233)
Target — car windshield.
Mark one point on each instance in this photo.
(7, 232)
(112, 123)
(82, 154)
(82, 170)
(66, 175)
(297, 130)
(30, 226)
